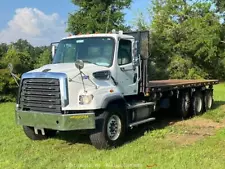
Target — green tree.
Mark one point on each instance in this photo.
(43, 59)
(22, 63)
(189, 33)
(93, 16)
(24, 46)
(3, 49)
(24, 57)
(220, 4)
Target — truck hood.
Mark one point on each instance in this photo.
(70, 69)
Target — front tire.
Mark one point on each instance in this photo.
(110, 129)
(29, 131)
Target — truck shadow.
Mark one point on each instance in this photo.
(164, 118)
(74, 137)
(218, 104)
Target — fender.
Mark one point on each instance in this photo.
(112, 99)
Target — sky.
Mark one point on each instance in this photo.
(44, 21)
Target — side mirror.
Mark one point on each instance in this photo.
(54, 48)
(79, 64)
(136, 59)
(10, 67)
(53, 51)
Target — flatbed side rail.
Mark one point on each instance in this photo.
(157, 86)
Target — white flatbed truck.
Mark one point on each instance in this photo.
(99, 83)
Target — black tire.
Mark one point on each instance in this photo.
(100, 137)
(29, 131)
(197, 104)
(183, 105)
(208, 100)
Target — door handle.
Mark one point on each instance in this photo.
(124, 70)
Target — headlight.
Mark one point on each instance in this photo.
(85, 99)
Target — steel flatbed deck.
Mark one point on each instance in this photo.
(173, 84)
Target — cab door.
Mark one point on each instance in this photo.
(126, 73)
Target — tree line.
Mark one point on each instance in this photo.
(186, 39)
(24, 57)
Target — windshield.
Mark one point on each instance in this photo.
(96, 50)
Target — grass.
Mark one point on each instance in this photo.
(160, 148)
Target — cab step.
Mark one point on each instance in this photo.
(141, 105)
(141, 122)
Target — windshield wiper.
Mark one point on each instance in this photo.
(86, 61)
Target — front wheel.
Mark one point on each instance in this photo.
(29, 131)
(109, 130)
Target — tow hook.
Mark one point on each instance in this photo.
(36, 131)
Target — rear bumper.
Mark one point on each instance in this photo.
(61, 122)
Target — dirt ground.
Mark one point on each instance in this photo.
(194, 130)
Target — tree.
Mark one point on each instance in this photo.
(220, 4)
(185, 33)
(3, 49)
(22, 63)
(24, 46)
(43, 59)
(98, 16)
(140, 22)
(24, 57)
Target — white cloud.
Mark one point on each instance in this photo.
(35, 26)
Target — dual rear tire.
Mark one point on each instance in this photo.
(208, 100)
(197, 103)
(201, 102)
(194, 105)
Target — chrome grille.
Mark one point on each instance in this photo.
(40, 95)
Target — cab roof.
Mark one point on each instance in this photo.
(112, 35)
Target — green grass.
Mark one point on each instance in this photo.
(151, 150)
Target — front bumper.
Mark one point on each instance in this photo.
(60, 122)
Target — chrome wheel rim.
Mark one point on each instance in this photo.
(114, 127)
(199, 105)
(186, 103)
(209, 102)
